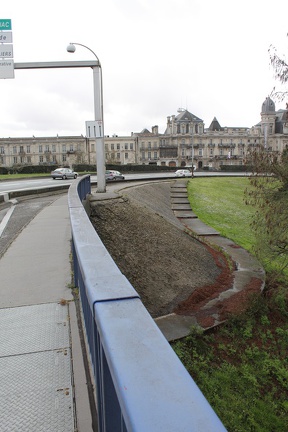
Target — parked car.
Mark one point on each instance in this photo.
(111, 175)
(183, 173)
(64, 173)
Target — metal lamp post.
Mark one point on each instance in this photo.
(99, 123)
(192, 151)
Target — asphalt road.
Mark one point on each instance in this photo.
(9, 186)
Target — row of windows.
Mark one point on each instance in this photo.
(41, 149)
(28, 159)
(71, 148)
(200, 153)
(118, 147)
(118, 156)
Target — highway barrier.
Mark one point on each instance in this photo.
(141, 385)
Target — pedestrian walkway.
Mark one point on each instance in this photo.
(43, 383)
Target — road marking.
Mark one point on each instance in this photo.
(6, 218)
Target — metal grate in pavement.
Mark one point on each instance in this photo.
(35, 369)
(36, 392)
(34, 328)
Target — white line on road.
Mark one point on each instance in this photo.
(6, 218)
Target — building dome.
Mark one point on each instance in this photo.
(268, 106)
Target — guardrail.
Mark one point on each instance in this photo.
(141, 385)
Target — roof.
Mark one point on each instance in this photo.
(185, 116)
(215, 125)
(268, 106)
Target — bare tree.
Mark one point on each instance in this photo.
(280, 67)
(269, 195)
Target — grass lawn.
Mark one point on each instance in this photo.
(220, 203)
(242, 366)
(21, 176)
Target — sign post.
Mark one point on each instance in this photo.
(6, 50)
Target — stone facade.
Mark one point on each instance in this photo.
(185, 141)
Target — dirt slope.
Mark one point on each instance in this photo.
(164, 264)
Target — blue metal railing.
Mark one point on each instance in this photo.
(141, 385)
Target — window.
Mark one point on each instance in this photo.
(118, 146)
(126, 155)
(149, 145)
(53, 148)
(47, 148)
(92, 147)
(200, 152)
(2, 151)
(28, 149)
(126, 146)
(118, 155)
(15, 159)
(63, 157)
(14, 149)
(29, 159)
(22, 159)
(149, 155)
(112, 146)
(143, 155)
(40, 149)
(41, 159)
(112, 156)
(131, 146)
(211, 151)
(155, 155)
(63, 149)
(71, 147)
(54, 159)
(21, 149)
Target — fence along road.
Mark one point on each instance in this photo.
(141, 385)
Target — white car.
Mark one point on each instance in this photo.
(183, 173)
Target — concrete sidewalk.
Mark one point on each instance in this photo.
(43, 382)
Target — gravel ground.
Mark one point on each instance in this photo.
(163, 263)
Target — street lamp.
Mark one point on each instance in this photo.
(99, 123)
(192, 150)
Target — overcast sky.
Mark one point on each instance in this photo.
(210, 57)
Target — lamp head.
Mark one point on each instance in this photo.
(71, 48)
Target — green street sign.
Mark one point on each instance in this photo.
(5, 24)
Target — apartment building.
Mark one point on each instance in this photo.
(184, 142)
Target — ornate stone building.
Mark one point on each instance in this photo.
(184, 141)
